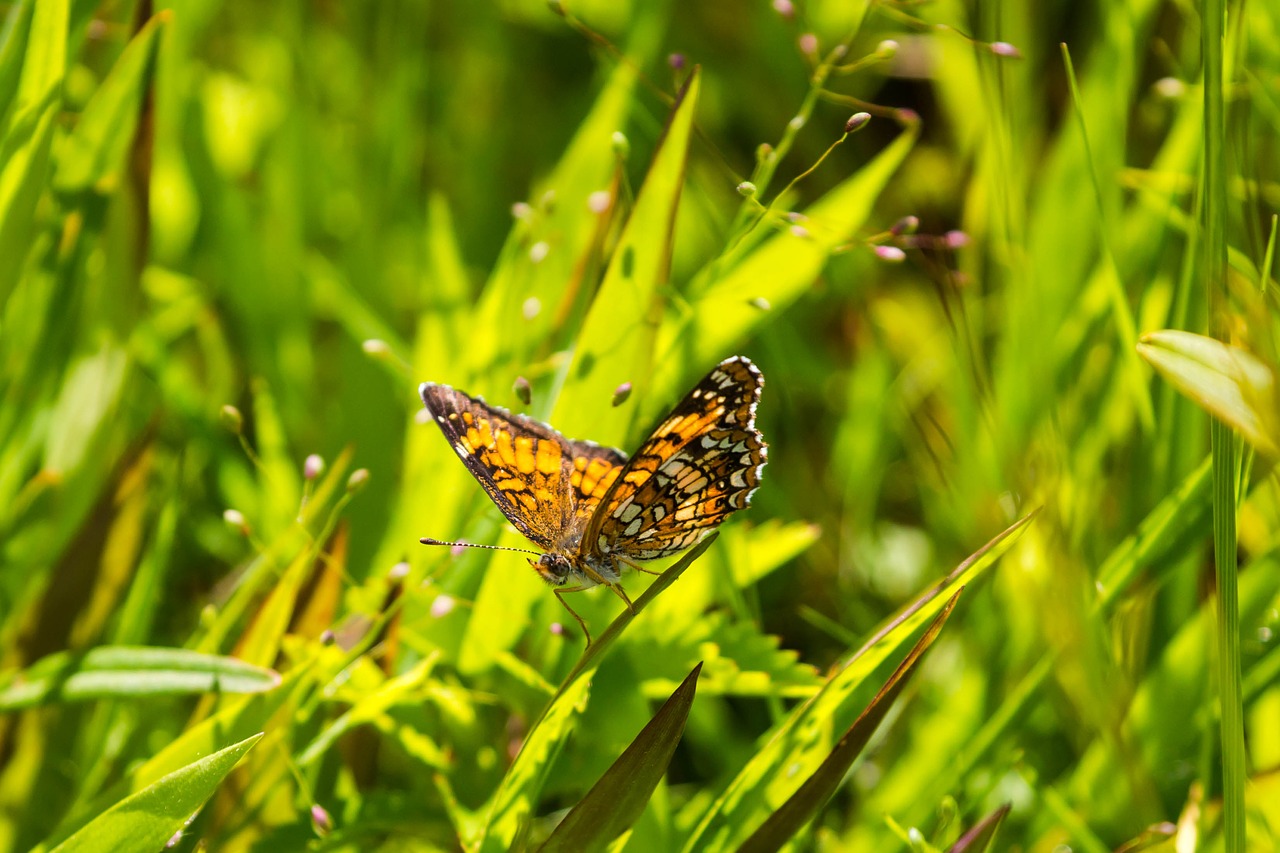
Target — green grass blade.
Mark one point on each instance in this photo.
(115, 672)
(616, 343)
(616, 801)
(95, 154)
(27, 137)
(1126, 328)
(145, 821)
(1213, 15)
(566, 227)
(516, 796)
(13, 38)
(801, 742)
(801, 806)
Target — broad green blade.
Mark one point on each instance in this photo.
(129, 671)
(1228, 382)
(616, 801)
(237, 721)
(801, 806)
(800, 744)
(94, 155)
(513, 803)
(27, 136)
(617, 340)
(147, 820)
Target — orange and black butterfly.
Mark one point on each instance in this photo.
(592, 510)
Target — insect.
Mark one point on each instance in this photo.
(590, 509)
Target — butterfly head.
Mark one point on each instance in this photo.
(553, 568)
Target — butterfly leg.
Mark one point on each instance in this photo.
(633, 564)
(560, 595)
(622, 593)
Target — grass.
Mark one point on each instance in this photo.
(1018, 332)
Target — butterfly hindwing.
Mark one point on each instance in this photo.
(519, 462)
(701, 464)
(592, 471)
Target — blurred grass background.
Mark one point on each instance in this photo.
(303, 210)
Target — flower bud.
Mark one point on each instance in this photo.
(313, 466)
(857, 121)
(232, 419)
(522, 390)
(621, 145)
(320, 820)
(357, 480)
(905, 225)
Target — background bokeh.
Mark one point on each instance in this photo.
(302, 210)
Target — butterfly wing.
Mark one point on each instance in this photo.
(702, 463)
(592, 472)
(518, 461)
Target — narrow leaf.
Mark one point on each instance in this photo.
(616, 801)
(514, 800)
(93, 155)
(126, 671)
(818, 788)
(979, 837)
(800, 743)
(617, 339)
(145, 821)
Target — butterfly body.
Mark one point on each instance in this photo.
(593, 510)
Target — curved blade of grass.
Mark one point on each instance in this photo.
(126, 671)
(801, 742)
(513, 802)
(979, 837)
(1230, 383)
(94, 154)
(13, 38)
(566, 228)
(371, 706)
(801, 806)
(27, 136)
(149, 818)
(616, 801)
(1121, 313)
(239, 720)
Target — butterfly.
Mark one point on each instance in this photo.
(592, 510)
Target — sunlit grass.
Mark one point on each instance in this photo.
(235, 237)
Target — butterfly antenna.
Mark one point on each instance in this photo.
(426, 540)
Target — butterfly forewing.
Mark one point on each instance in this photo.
(522, 464)
(701, 464)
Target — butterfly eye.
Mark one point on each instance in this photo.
(554, 568)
